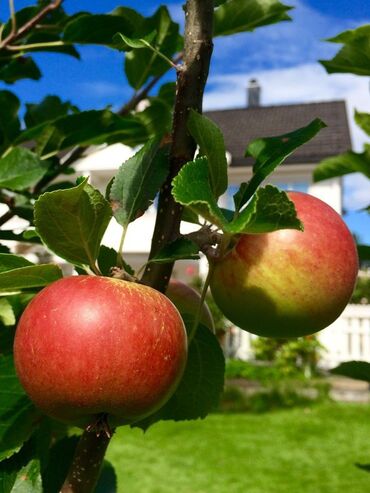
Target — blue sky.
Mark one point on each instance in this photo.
(283, 57)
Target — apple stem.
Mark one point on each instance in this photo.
(87, 461)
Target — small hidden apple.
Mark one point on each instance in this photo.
(90, 346)
(187, 300)
(289, 283)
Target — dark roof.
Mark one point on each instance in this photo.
(240, 126)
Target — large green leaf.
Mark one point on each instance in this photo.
(269, 210)
(343, 164)
(21, 169)
(9, 235)
(358, 370)
(21, 473)
(235, 16)
(354, 57)
(192, 188)
(72, 222)
(9, 262)
(18, 416)
(270, 152)
(180, 249)
(363, 119)
(137, 182)
(34, 276)
(156, 118)
(202, 383)
(59, 460)
(19, 68)
(50, 108)
(100, 29)
(211, 144)
(84, 128)
(140, 64)
(9, 121)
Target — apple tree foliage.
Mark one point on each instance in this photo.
(39, 144)
(353, 58)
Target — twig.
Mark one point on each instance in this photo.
(6, 217)
(191, 80)
(13, 36)
(143, 93)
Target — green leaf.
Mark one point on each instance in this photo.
(9, 235)
(156, 118)
(343, 164)
(123, 42)
(18, 416)
(9, 262)
(269, 210)
(235, 16)
(19, 68)
(189, 216)
(108, 259)
(59, 460)
(21, 169)
(354, 57)
(358, 370)
(84, 128)
(137, 182)
(50, 108)
(22, 472)
(34, 276)
(270, 152)
(100, 29)
(182, 248)
(7, 316)
(140, 64)
(363, 119)
(72, 222)
(9, 121)
(192, 188)
(107, 482)
(364, 253)
(202, 383)
(211, 144)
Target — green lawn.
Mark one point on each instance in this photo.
(296, 451)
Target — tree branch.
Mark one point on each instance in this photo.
(191, 80)
(16, 34)
(87, 462)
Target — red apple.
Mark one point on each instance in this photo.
(289, 283)
(186, 299)
(87, 346)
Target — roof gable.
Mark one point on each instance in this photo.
(240, 126)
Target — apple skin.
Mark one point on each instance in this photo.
(289, 283)
(186, 299)
(87, 346)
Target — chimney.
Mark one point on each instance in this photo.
(254, 93)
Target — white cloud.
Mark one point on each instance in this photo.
(101, 88)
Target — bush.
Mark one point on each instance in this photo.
(275, 388)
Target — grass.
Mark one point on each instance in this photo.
(312, 450)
